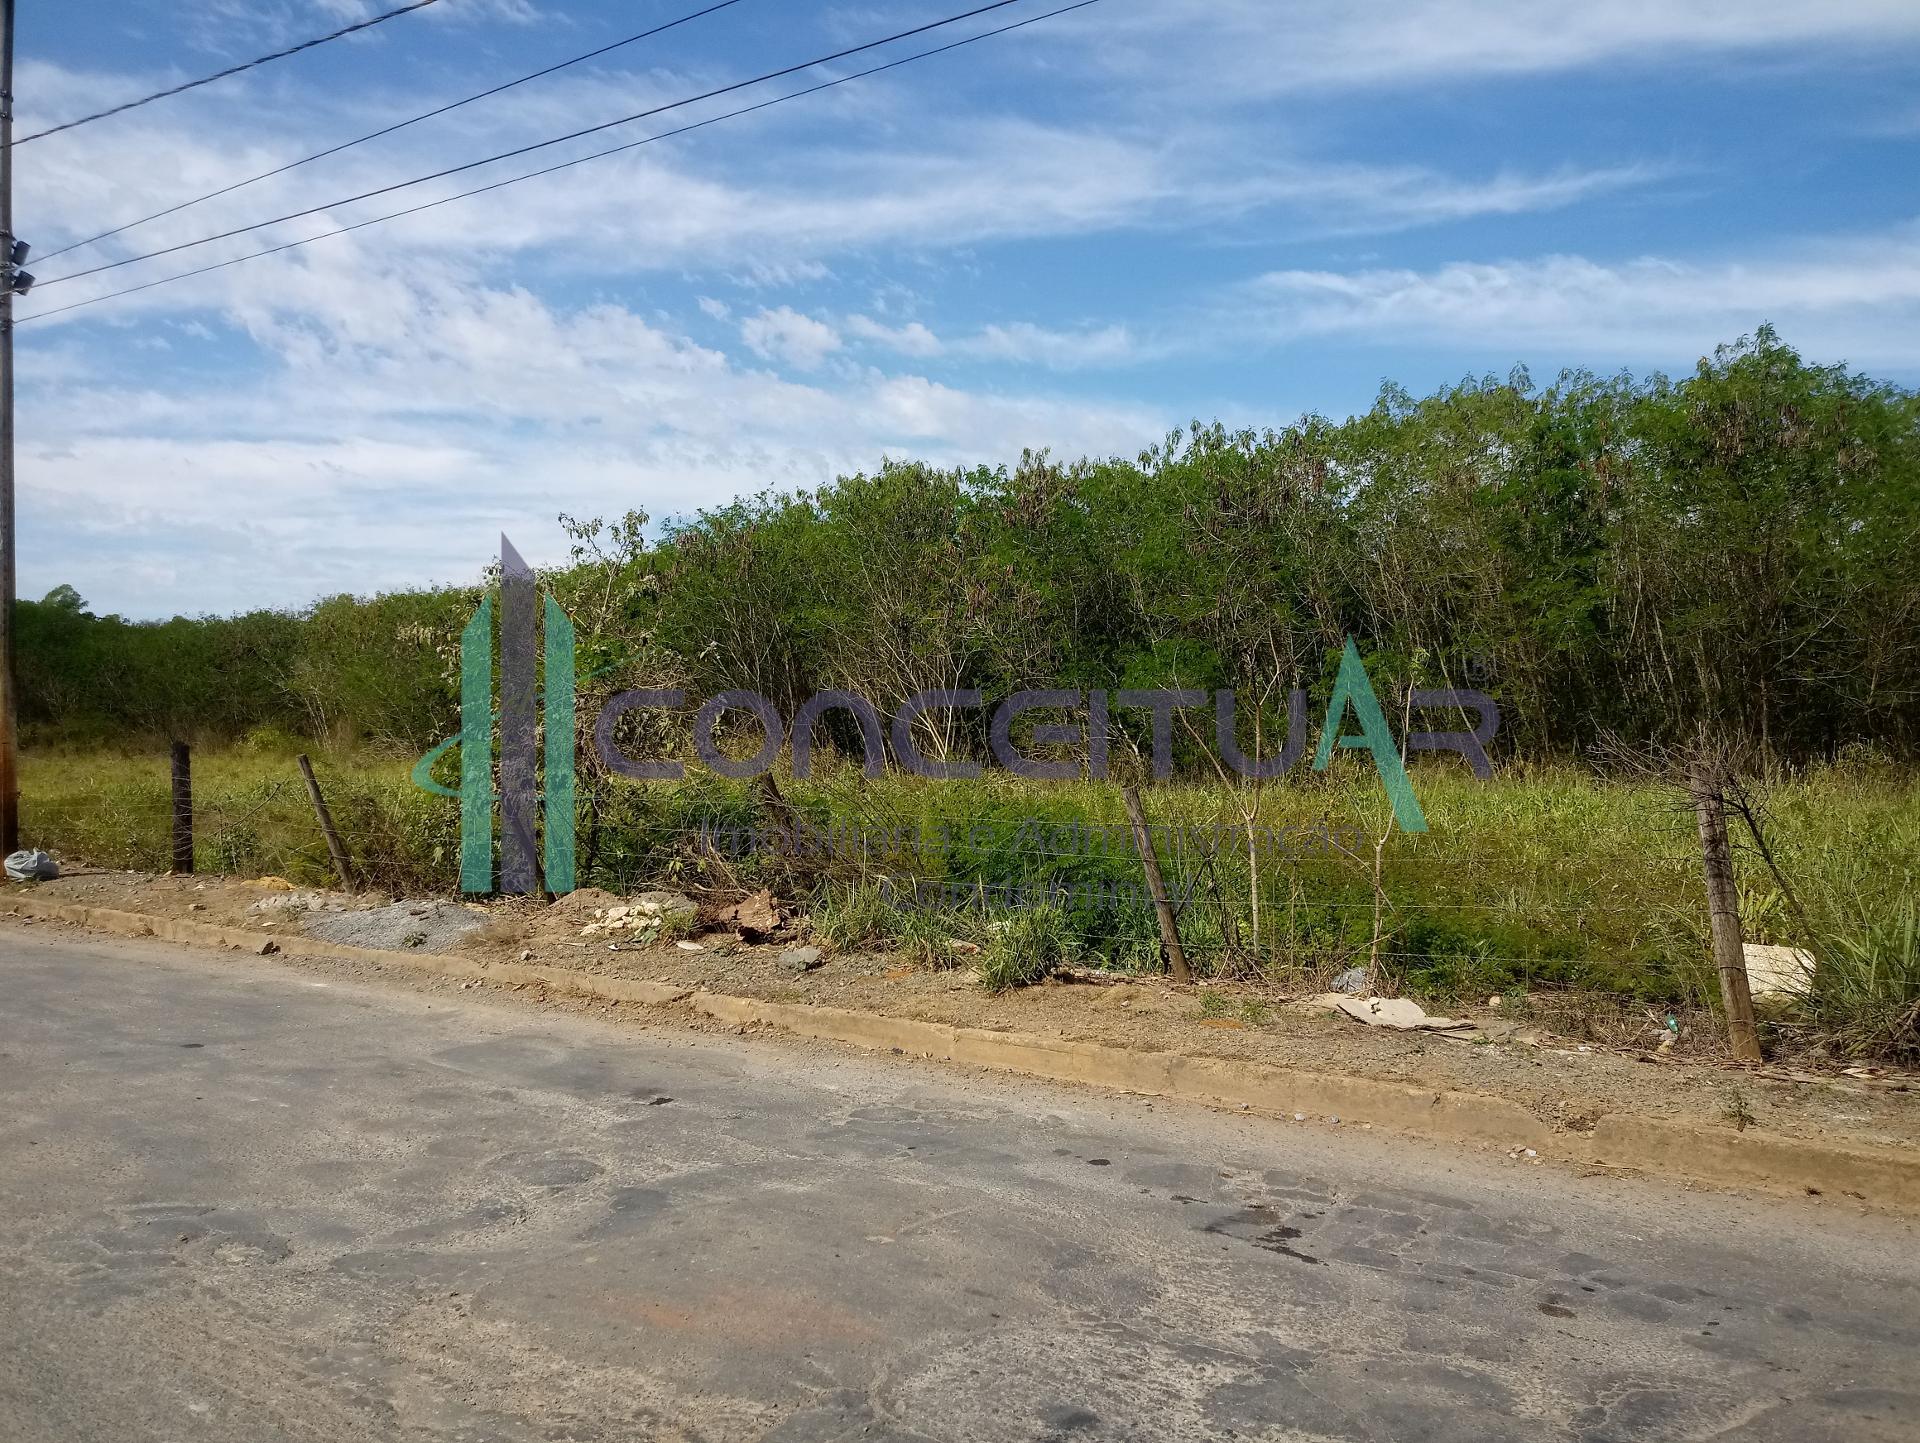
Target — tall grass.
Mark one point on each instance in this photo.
(1546, 877)
(1865, 997)
(1026, 947)
(251, 814)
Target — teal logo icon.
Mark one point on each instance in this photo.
(535, 802)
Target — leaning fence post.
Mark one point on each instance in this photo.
(1162, 908)
(335, 850)
(182, 809)
(1723, 910)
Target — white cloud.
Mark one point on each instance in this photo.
(1022, 341)
(786, 335)
(1016, 342)
(939, 185)
(1245, 47)
(1897, 124)
(1365, 199)
(1852, 297)
(912, 339)
(716, 310)
(391, 426)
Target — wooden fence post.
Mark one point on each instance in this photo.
(182, 809)
(1723, 909)
(786, 827)
(341, 868)
(1156, 885)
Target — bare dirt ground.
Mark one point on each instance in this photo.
(1566, 1063)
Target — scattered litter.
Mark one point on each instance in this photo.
(526, 954)
(1880, 1077)
(1353, 981)
(1299, 1117)
(641, 922)
(676, 907)
(1092, 976)
(290, 904)
(966, 949)
(1669, 1032)
(1789, 1074)
(272, 884)
(1772, 970)
(32, 865)
(686, 946)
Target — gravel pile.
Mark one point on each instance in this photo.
(402, 927)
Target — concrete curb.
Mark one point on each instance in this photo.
(1460, 1116)
(1882, 1176)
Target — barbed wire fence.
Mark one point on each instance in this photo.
(1303, 892)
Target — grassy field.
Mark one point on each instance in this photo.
(1544, 878)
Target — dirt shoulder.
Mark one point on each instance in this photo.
(1566, 1081)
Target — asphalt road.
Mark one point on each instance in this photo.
(248, 1201)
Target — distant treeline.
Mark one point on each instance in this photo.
(1604, 555)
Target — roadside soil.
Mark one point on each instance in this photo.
(1565, 1062)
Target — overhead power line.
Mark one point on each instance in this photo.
(536, 145)
(230, 70)
(563, 165)
(387, 130)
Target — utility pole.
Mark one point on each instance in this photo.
(13, 255)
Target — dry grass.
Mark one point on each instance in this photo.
(1583, 895)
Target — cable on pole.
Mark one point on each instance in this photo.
(386, 130)
(563, 165)
(223, 74)
(538, 144)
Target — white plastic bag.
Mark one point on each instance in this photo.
(31, 866)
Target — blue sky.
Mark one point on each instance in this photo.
(1074, 236)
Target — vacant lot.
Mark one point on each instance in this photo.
(1541, 880)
